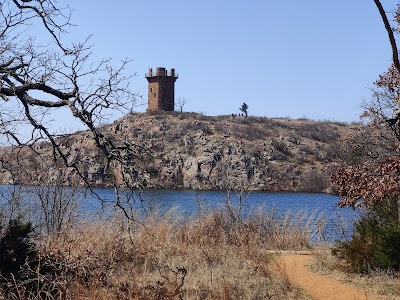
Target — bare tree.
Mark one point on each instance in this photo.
(383, 111)
(181, 103)
(244, 108)
(369, 183)
(40, 76)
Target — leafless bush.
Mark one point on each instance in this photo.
(58, 206)
(314, 181)
(306, 149)
(221, 127)
(280, 146)
(11, 205)
(335, 150)
(270, 123)
(282, 152)
(319, 132)
(205, 129)
(251, 132)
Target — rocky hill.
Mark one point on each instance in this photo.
(188, 150)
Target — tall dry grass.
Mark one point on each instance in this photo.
(383, 283)
(209, 256)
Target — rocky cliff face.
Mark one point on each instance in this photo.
(200, 152)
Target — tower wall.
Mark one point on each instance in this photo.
(161, 89)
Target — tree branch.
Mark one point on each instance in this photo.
(389, 31)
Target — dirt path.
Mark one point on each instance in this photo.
(294, 266)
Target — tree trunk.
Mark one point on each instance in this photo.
(398, 210)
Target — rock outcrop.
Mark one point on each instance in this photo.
(187, 150)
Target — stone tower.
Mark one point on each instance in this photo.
(161, 89)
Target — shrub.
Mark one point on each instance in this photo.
(306, 149)
(314, 181)
(281, 148)
(251, 133)
(335, 150)
(153, 170)
(16, 248)
(376, 240)
(319, 132)
(205, 129)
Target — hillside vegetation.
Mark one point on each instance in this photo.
(193, 151)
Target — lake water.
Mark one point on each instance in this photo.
(186, 203)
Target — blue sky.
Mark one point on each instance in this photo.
(313, 58)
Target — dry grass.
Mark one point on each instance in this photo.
(383, 283)
(211, 256)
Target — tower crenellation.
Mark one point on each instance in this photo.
(161, 89)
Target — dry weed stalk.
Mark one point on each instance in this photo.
(211, 256)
